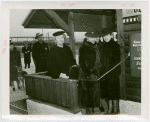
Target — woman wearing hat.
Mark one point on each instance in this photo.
(110, 56)
(27, 59)
(89, 61)
(61, 63)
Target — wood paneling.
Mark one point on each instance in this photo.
(46, 92)
(132, 84)
(38, 88)
(62, 92)
(50, 91)
(126, 49)
(58, 93)
(133, 91)
(53, 91)
(127, 63)
(126, 36)
(127, 70)
(133, 98)
(132, 27)
(71, 30)
(126, 42)
(27, 85)
(125, 55)
(120, 33)
(128, 77)
(137, 79)
(68, 95)
(33, 87)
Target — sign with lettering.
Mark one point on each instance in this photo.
(135, 58)
(131, 12)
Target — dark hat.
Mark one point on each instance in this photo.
(92, 34)
(106, 31)
(58, 33)
(37, 35)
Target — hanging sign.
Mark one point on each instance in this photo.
(135, 58)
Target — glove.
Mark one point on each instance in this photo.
(62, 75)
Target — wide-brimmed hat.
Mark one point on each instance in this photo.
(58, 33)
(37, 35)
(92, 34)
(106, 31)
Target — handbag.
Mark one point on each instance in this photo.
(73, 72)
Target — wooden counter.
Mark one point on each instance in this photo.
(62, 92)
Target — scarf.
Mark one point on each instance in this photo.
(94, 47)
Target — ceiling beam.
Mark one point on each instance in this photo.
(28, 17)
(57, 20)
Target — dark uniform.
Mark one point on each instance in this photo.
(39, 55)
(27, 58)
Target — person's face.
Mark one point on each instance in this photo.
(91, 39)
(60, 40)
(40, 39)
(107, 38)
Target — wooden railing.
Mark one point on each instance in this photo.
(62, 92)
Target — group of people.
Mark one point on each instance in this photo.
(97, 57)
(58, 61)
(98, 54)
(16, 72)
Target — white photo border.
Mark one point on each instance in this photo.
(5, 31)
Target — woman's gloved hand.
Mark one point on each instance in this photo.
(62, 75)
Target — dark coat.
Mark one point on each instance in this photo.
(15, 60)
(87, 59)
(110, 56)
(88, 87)
(60, 60)
(40, 55)
(26, 51)
(100, 44)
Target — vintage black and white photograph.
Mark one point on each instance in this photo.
(75, 61)
(88, 62)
